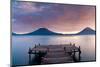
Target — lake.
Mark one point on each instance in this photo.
(21, 44)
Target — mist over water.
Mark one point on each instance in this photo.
(21, 44)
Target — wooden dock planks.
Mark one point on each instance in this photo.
(56, 53)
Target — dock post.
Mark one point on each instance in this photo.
(74, 54)
(70, 44)
(79, 53)
(40, 57)
(35, 46)
(35, 50)
(30, 51)
(39, 44)
(65, 49)
(74, 45)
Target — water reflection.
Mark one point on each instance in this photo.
(20, 45)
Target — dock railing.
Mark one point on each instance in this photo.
(70, 49)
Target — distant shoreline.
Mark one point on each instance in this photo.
(54, 35)
(44, 31)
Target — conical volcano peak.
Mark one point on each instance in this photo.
(43, 31)
(87, 30)
(42, 28)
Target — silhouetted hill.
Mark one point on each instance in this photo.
(14, 33)
(43, 31)
(87, 31)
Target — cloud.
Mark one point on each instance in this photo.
(26, 7)
(60, 18)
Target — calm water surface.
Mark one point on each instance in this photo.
(21, 44)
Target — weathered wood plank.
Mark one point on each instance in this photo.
(56, 53)
(57, 60)
(55, 48)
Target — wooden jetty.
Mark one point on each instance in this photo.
(55, 53)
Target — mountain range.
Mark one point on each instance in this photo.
(45, 31)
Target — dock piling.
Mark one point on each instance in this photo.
(65, 49)
(35, 50)
(35, 46)
(74, 55)
(30, 51)
(65, 52)
(79, 53)
(70, 44)
(74, 45)
(39, 44)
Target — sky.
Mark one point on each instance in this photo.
(60, 18)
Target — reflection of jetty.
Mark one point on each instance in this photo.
(49, 54)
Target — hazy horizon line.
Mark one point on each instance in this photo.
(73, 32)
